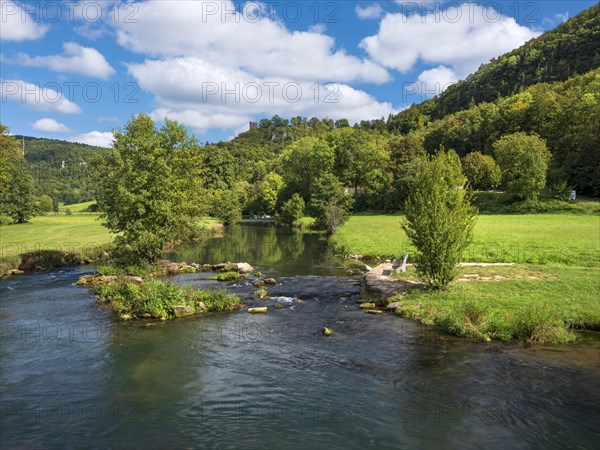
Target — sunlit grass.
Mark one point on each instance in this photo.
(532, 239)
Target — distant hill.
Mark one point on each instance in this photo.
(573, 48)
(54, 151)
(60, 168)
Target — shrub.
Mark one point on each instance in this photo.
(107, 270)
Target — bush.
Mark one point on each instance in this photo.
(439, 218)
(107, 270)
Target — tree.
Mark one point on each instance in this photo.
(329, 203)
(304, 161)
(226, 206)
(16, 183)
(268, 192)
(149, 188)
(523, 160)
(292, 210)
(481, 170)
(439, 218)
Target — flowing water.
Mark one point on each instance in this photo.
(72, 377)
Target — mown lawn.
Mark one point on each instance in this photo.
(531, 239)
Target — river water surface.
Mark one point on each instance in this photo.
(72, 377)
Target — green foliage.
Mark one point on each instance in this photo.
(108, 270)
(481, 171)
(229, 276)
(572, 48)
(439, 218)
(261, 294)
(292, 210)
(16, 183)
(329, 203)
(523, 160)
(149, 187)
(304, 161)
(268, 192)
(226, 206)
(45, 204)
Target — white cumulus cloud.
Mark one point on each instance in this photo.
(75, 59)
(50, 126)
(460, 37)
(97, 138)
(17, 24)
(242, 39)
(374, 11)
(435, 81)
(37, 97)
(204, 96)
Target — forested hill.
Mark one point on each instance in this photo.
(53, 151)
(60, 169)
(573, 48)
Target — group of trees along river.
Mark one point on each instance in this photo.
(525, 121)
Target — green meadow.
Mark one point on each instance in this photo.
(552, 290)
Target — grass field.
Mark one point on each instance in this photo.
(77, 207)
(531, 239)
(57, 232)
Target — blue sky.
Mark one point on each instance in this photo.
(76, 70)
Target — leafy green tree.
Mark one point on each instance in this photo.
(292, 210)
(329, 203)
(523, 160)
(16, 183)
(481, 170)
(304, 161)
(439, 218)
(358, 153)
(226, 206)
(268, 192)
(149, 187)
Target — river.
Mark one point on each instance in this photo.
(73, 377)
